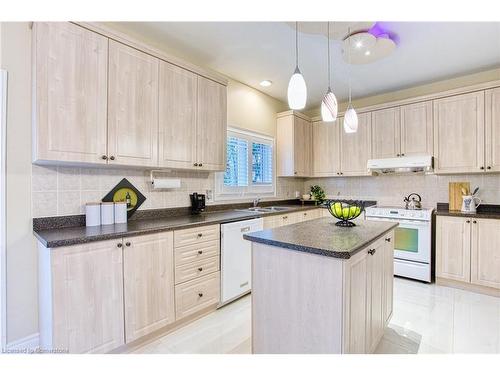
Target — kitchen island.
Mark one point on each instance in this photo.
(320, 288)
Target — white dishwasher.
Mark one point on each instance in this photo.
(236, 258)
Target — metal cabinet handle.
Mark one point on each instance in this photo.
(200, 294)
(482, 168)
(111, 157)
(127, 244)
(489, 167)
(200, 252)
(398, 155)
(104, 157)
(200, 165)
(402, 154)
(388, 239)
(474, 222)
(119, 244)
(200, 269)
(285, 217)
(195, 164)
(468, 221)
(200, 235)
(372, 251)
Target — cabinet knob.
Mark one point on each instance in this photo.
(200, 235)
(200, 165)
(305, 213)
(200, 295)
(285, 217)
(482, 168)
(388, 239)
(489, 167)
(200, 269)
(402, 154)
(295, 172)
(104, 157)
(468, 221)
(195, 164)
(398, 155)
(474, 222)
(200, 252)
(119, 244)
(111, 157)
(371, 251)
(127, 244)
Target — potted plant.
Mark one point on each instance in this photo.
(318, 194)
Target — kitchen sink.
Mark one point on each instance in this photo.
(264, 209)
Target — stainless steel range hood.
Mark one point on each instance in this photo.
(404, 164)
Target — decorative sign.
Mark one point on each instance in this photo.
(124, 191)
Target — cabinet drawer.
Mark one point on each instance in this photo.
(192, 253)
(196, 269)
(195, 295)
(196, 235)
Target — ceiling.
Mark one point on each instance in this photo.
(254, 51)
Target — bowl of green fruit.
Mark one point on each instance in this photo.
(345, 211)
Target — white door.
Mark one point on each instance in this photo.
(236, 258)
(3, 286)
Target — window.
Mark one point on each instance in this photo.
(249, 166)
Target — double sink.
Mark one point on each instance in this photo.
(265, 209)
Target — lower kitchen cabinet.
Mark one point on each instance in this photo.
(148, 262)
(81, 297)
(467, 252)
(196, 295)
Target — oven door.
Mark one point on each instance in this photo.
(412, 240)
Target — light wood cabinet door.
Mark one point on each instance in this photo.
(177, 116)
(386, 127)
(148, 283)
(492, 139)
(195, 295)
(87, 293)
(453, 240)
(70, 93)
(459, 133)
(416, 129)
(302, 141)
(485, 253)
(388, 276)
(308, 215)
(356, 148)
(375, 289)
(356, 304)
(269, 222)
(326, 148)
(133, 107)
(211, 125)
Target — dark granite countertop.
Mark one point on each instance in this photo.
(484, 211)
(66, 236)
(323, 237)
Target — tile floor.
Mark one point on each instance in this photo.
(426, 319)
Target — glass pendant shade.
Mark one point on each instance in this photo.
(297, 91)
(329, 107)
(350, 120)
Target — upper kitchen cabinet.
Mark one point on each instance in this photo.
(492, 139)
(70, 94)
(211, 125)
(386, 133)
(355, 148)
(177, 116)
(294, 143)
(326, 148)
(459, 133)
(416, 129)
(133, 107)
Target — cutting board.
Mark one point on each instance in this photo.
(455, 192)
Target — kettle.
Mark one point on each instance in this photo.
(415, 203)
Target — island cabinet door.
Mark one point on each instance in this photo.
(388, 276)
(148, 263)
(375, 294)
(356, 304)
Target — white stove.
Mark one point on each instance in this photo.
(412, 239)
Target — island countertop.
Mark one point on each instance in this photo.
(323, 237)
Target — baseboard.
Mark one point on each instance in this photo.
(28, 344)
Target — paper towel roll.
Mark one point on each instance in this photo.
(166, 183)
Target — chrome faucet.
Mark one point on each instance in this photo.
(256, 202)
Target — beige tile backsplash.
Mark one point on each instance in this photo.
(65, 190)
(390, 190)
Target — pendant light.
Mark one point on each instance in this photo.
(329, 106)
(350, 116)
(297, 90)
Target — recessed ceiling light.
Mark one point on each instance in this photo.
(367, 53)
(266, 83)
(359, 44)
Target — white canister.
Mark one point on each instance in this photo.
(93, 214)
(107, 213)
(120, 213)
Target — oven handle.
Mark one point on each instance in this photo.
(420, 223)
